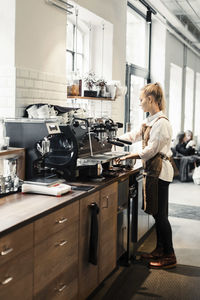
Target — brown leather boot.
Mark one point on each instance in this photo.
(166, 262)
(155, 254)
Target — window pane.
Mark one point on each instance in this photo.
(69, 36)
(175, 98)
(136, 41)
(189, 95)
(79, 63)
(79, 41)
(69, 62)
(197, 108)
(136, 112)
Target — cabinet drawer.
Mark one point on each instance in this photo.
(15, 243)
(56, 221)
(16, 277)
(63, 287)
(108, 203)
(54, 255)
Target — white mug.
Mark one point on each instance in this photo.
(32, 111)
(43, 111)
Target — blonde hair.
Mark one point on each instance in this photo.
(155, 90)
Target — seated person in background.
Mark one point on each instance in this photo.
(189, 139)
(181, 145)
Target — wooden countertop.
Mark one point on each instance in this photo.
(19, 209)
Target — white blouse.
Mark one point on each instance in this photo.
(159, 141)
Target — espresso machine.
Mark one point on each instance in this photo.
(95, 138)
(50, 153)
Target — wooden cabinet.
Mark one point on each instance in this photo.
(56, 254)
(88, 273)
(91, 275)
(16, 264)
(108, 230)
(48, 259)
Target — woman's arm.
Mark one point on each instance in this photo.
(129, 156)
(132, 136)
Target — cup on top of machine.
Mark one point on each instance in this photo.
(32, 111)
(43, 111)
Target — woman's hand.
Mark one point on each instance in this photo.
(129, 156)
(119, 159)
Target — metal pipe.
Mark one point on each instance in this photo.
(90, 141)
(59, 6)
(68, 5)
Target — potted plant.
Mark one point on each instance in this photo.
(101, 83)
(90, 83)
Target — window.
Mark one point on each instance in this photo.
(94, 45)
(71, 49)
(175, 98)
(197, 108)
(189, 99)
(136, 113)
(137, 50)
(136, 39)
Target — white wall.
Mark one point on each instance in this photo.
(40, 36)
(7, 33)
(7, 58)
(158, 52)
(175, 55)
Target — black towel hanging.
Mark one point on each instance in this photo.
(94, 209)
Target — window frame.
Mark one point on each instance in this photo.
(73, 52)
(132, 69)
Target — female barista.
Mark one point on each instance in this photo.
(156, 135)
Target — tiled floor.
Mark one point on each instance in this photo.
(186, 236)
(139, 282)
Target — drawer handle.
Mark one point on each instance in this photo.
(62, 288)
(61, 221)
(105, 203)
(7, 280)
(6, 251)
(63, 243)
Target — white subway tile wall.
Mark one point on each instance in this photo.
(21, 87)
(93, 108)
(38, 87)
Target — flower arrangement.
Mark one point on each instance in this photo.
(90, 81)
(95, 87)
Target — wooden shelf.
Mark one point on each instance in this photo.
(93, 98)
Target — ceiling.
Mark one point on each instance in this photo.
(187, 12)
(183, 16)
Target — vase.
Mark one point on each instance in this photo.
(90, 93)
(103, 91)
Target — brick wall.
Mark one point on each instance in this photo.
(21, 87)
(39, 87)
